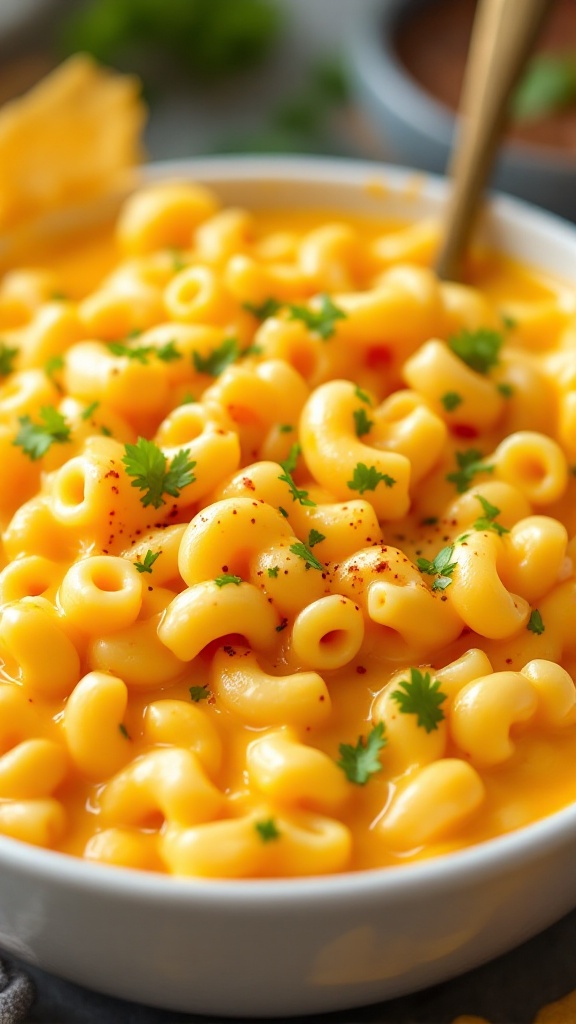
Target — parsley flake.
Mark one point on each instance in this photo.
(362, 395)
(223, 581)
(148, 561)
(440, 566)
(361, 761)
(422, 697)
(469, 463)
(362, 424)
(321, 321)
(478, 349)
(138, 353)
(367, 478)
(535, 624)
(262, 311)
(148, 465)
(506, 390)
(124, 731)
(7, 357)
(315, 538)
(36, 438)
(198, 693)
(51, 367)
(273, 572)
(304, 552)
(289, 465)
(451, 400)
(168, 352)
(285, 428)
(487, 521)
(89, 411)
(216, 362)
(267, 830)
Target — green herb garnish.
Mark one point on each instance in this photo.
(147, 464)
(361, 761)
(422, 697)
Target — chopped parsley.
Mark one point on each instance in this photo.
(321, 321)
(535, 624)
(367, 478)
(422, 697)
(506, 390)
(451, 400)
(478, 349)
(282, 511)
(315, 538)
(147, 464)
(285, 428)
(469, 463)
(488, 520)
(262, 311)
(51, 367)
(362, 395)
(361, 761)
(273, 572)
(223, 581)
(362, 424)
(124, 731)
(289, 465)
(198, 693)
(89, 411)
(138, 353)
(304, 552)
(440, 566)
(168, 352)
(148, 561)
(7, 357)
(36, 438)
(216, 362)
(267, 830)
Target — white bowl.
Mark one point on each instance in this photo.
(281, 947)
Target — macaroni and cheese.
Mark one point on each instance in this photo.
(288, 544)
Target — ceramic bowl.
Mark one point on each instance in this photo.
(420, 130)
(293, 946)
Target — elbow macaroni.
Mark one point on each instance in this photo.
(334, 507)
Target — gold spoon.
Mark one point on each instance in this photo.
(503, 35)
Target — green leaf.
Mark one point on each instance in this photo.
(7, 357)
(315, 538)
(198, 693)
(321, 321)
(149, 559)
(488, 520)
(506, 390)
(367, 478)
(216, 362)
(361, 761)
(147, 464)
(535, 624)
(440, 566)
(362, 424)
(124, 731)
(267, 830)
(285, 428)
(223, 581)
(469, 463)
(263, 310)
(273, 572)
(89, 411)
(289, 465)
(138, 353)
(362, 395)
(36, 438)
(451, 400)
(478, 349)
(548, 85)
(304, 552)
(421, 697)
(168, 353)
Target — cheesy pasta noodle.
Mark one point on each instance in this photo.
(288, 550)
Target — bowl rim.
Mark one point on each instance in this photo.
(377, 63)
(507, 852)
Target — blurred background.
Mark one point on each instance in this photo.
(377, 79)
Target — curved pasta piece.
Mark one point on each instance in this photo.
(241, 686)
(206, 612)
(332, 452)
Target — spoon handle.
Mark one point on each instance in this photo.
(504, 32)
